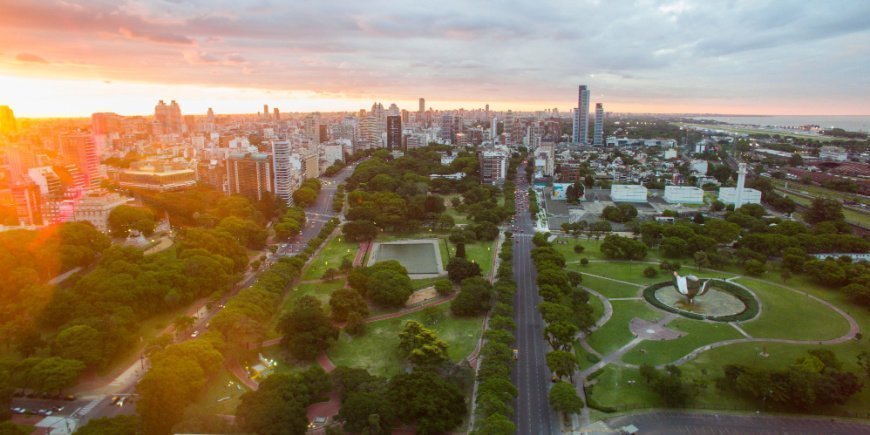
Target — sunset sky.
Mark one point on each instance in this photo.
(72, 58)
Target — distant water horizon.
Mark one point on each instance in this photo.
(846, 122)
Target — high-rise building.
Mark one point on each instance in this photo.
(7, 120)
(368, 130)
(249, 175)
(106, 123)
(581, 117)
(493, 130)
(266, 111)
(312, 128)
(28, 204)
(394, 133)
(598, 134)
(81, 151)
(422, 105)
(323, 133)
(283, 170)
(493, 166)
(276, 115)
(168, 117)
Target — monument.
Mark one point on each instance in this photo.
(689, 286)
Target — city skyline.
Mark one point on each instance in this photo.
(68, 59)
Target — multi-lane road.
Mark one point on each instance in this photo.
(531, 375)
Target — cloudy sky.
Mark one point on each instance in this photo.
(771, 57)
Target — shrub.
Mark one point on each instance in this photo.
(584, 261)
(579, 249)
(650, 272)
(444, 287)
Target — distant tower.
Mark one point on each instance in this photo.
(277, 114)
(422, 105)
(741, 181)
(7, 120)
(394, 133)
(598, 135)
(493, 130)
(209, 116)
(266, 111)
(581, 117)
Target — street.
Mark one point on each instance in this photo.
(531, 376)
(677, 422)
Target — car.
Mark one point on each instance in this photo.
(516, 353)
(115, 399)
(70, 397)
(194, 334)
(59, 408)
(121, 402)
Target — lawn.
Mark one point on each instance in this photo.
(597, 307)
(612, 388)
(377, 349)
(633, 272)
(591, 248)
(330, 257)
(698, 334)
(220, 397)
(615, 333)
(610, 289)
(786, 314)
(480, 253)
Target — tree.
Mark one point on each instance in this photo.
(427, 400)
(560, 335)
(444, 287)
(124, 218)
(623, 248)
(459, 269)
(422, 347)
(366, 412)
(80, 342)
(356, 325)
(823, 210)
(795, 160)
(344, 301)
(496, 424)
(564, 398)
(701, 259)
(304, 196)
(276, 407)
(307, 330)
(562, 364)
(359, 231)
(474, 297)
(389, 288)
(754, 267)
(674, 247)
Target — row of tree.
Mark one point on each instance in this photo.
(496, 392)
(566, 311)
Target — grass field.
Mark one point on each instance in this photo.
(698, 334)
(377, 349)
(330, 257)
(220, 397)
(786, 314)
(480, 253)
(609, 288)
(615, 333)
(633, 272)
